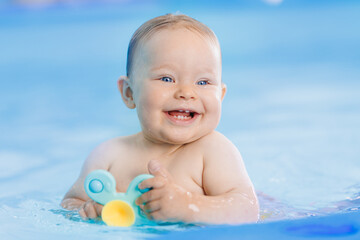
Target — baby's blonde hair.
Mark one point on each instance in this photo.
(150, 27)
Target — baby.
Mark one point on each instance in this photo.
(174, 82)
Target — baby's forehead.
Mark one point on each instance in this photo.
(166, 50)
(162, 23)
(180, 37)
(169, 30)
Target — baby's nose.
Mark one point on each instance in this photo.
(185, 92)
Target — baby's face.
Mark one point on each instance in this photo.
(177, 86)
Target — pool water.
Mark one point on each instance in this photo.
(292, 107)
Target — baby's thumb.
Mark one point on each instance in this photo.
(156, 169)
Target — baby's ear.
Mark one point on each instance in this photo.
(126, 92)
(223, 90)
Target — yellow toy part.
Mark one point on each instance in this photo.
(118, 213)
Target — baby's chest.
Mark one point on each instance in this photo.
(186, 170)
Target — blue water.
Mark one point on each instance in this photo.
(292, 107)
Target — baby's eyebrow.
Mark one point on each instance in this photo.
(161, 67)
(174, 68)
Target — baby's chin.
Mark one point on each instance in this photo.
(176, 139)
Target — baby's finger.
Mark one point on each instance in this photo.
(157, 216)
(149, 196)
(82, 213)
(157, 169)
(98, 208)
(151, 206)
(155, 182)
(90, 210)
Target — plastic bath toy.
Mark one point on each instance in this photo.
(119, 208)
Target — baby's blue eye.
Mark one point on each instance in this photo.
(167, 79)
(202, 82)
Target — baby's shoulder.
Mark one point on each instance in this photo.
(104, 155)
(215, 139)
(110, 149)
(116, 144)
(216, 144)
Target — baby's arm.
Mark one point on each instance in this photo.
(76, 198)
(230, 196)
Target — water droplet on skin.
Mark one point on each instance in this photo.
(194, 208)
(230, 200)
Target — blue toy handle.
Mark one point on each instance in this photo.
(100, 186)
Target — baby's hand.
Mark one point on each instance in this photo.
(90, 210)
(166, 201)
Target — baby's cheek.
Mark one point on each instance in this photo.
(145, 108)
(213, 110)
(150, 101)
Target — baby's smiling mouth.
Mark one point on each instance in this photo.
(182, 114)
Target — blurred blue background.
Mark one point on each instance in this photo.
(292, 107)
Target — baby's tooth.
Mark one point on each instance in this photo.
(180, 117)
